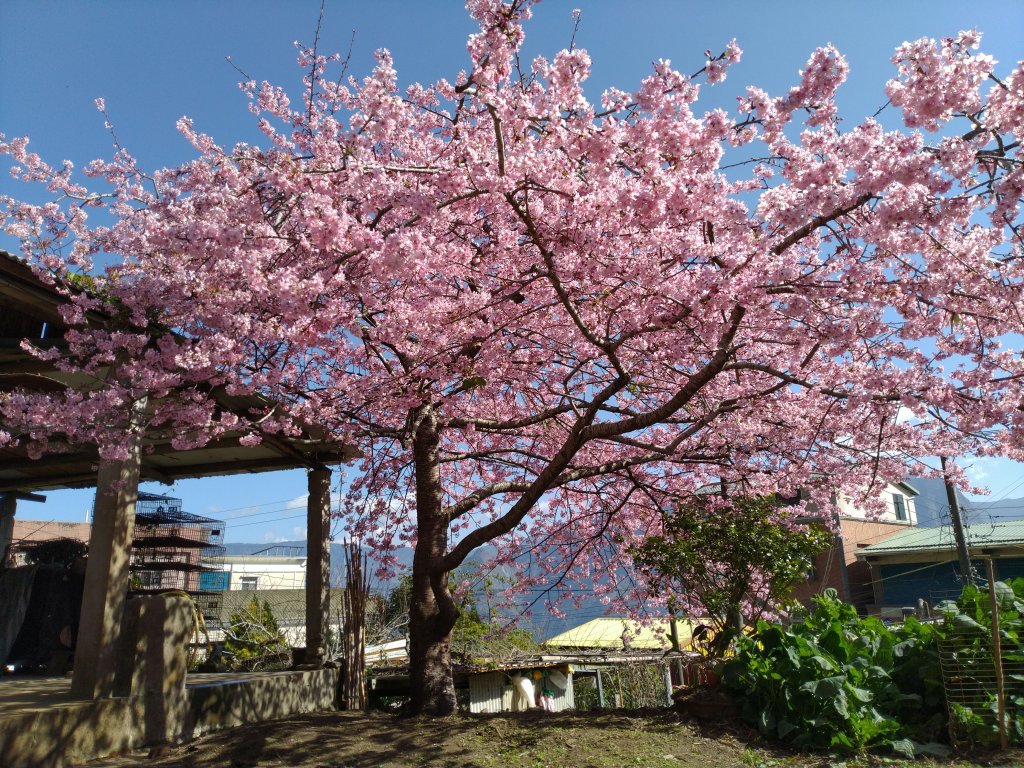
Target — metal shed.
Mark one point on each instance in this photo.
(491, 692)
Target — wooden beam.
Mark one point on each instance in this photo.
(150, 472)
(8, 508)
(21, 496)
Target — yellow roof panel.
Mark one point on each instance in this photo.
(616, 633)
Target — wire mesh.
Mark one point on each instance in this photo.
(624, 686)
(176, 550)
(972, 680)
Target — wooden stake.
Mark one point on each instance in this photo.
(997, 653)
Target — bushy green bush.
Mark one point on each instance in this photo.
(738, 561)
(253, 641)
(842, 683)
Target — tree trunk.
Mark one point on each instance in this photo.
(432, 610)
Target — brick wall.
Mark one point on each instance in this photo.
(827, 572)
(44, 530)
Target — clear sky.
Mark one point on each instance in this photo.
(155, 61)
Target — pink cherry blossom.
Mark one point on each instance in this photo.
(543, 321)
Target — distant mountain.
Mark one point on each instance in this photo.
(528, 612)
(297, 548)
(1001, 510)
(933, 505)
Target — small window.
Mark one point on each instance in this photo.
(250, 582)
(900, 506)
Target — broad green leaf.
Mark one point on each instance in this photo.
(1004, 595)
(862, 695)
(904, 747)
(965, 623)
(785, 727)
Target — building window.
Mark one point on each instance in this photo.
(900, 506)
(250, 582)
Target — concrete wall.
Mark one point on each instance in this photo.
(72, 732)
(44, 530)
(265, 572)
(225, 701)
(155, 701)
(848, 509)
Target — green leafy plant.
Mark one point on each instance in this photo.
(840, 682)
(746, 556)
(253, 639)
(967, 651)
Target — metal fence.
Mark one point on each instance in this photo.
(982, 662)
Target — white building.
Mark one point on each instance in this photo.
(900, 506)
(265, 572)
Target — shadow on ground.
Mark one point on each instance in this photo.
(600, 739)
(359, 740)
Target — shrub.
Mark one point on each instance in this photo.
(254, 641)
(840, 682)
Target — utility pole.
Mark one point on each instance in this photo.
(966, 571)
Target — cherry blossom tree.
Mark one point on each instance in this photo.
(544, 320)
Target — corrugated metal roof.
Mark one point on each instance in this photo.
(978, 535)
(608, 633)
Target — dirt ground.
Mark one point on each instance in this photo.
(658, 739)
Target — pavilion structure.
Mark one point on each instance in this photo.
(30, 309)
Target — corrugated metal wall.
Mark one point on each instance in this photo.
(904, 583)
(488, 693)
(491, 692)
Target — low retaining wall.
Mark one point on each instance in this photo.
(78, 731)
(71, 732)
(160, 703)
(229, 702)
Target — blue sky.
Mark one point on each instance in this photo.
(154, 62)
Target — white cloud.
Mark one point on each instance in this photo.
(299, 502)
(904, 415)
(977, 472)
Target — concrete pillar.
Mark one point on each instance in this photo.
(318, 564)
(159, 628)
(8, 506)
(106, 577)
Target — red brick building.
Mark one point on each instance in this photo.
(839, 568)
